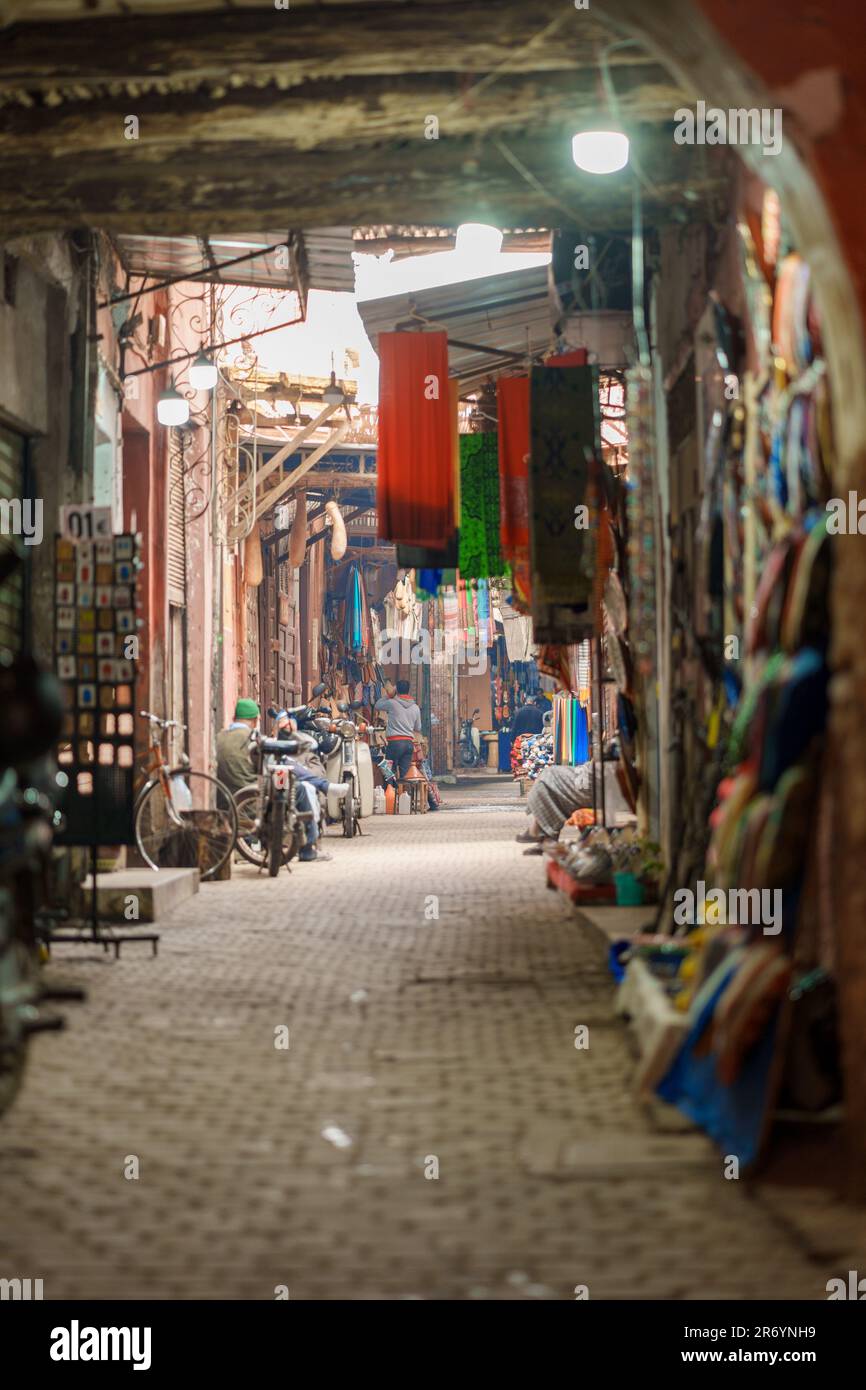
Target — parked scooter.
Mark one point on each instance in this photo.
(470, 742)
(350, 762)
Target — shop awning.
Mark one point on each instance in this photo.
(319, 260)
(487, 320)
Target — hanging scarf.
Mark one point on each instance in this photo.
(480, 555)
(513, 426)
(564, 417)
(414, 462)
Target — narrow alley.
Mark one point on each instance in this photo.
(432, 752)
(410, 1038)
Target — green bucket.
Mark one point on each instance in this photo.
(629, 890)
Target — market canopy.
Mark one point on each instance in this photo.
(493, 322)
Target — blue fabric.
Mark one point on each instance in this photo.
(732, 1115)
(352, 628)
(505, 745)
(429, 581)
(580, 742)
(483, 600)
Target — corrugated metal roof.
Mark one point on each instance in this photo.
(328, 255)
(511, 312)
(329, 258)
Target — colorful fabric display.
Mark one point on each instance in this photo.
(570, 730)
(564, 427)
(479, 549)
(414, 464)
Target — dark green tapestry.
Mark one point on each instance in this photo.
(480, 555)
(564, 428)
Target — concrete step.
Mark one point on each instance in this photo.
(156, 892)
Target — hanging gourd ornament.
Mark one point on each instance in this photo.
(338, 531)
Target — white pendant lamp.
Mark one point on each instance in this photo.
(203, 373)
(600, 151)
(476, 241)
(332, 394)
(172, 408)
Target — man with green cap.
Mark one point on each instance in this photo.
(234, 763)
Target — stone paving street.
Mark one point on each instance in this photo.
(412, 1041)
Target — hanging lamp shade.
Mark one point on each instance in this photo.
(203, 373)
(172, 408)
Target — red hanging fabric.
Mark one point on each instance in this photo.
(513, 414)
(578, 357)
(414, 462)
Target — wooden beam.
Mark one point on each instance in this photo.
(165, 52)
(343, 114)
(217, 187)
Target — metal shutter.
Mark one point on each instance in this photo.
(12, 448)
(176, 550)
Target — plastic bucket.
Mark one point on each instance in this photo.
(629, 890)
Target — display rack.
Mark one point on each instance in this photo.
(96, 651)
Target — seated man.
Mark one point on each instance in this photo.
(561, 790)
(309, 785)
(235, 768)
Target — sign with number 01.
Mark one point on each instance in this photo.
(82, 521)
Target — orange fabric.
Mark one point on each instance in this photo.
(415, 458)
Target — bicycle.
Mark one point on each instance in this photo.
(183, 819)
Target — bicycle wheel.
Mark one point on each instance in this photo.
(250, 844)
(198, 831)
(275, 837)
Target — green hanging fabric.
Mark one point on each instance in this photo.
(480, 556)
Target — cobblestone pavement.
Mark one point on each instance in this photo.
(413, 1041)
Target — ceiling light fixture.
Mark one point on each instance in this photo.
(333, 394)
(172, 408)
(600, 151)
(203, 373)
(477, 242)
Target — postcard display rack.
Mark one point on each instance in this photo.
(96, 647)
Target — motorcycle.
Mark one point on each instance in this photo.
(470, 742)
(271, 819)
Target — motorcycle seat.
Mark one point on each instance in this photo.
(280, 747)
